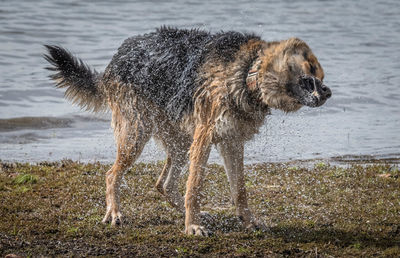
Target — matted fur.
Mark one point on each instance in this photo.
(187, 89)
(163, 66)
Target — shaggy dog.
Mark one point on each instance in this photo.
(190, 89)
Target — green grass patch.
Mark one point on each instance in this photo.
(72, 230)
(321, 165)
(26, 179)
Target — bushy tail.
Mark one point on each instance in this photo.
(72, 73)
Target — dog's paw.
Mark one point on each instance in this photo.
(196, 230)
(107, 218)
(114, 218)
(255, 224)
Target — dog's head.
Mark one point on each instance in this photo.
(291, 77)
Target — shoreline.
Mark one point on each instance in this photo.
(343, 160)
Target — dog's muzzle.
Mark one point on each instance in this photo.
(313, 92)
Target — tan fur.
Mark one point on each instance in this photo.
(226, 113)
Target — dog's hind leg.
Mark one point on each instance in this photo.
(131, 137)
(170, 184)
(167, 183)
(232, 154)
(177, 158)
(163, 176)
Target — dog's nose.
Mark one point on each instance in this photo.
(326, 92)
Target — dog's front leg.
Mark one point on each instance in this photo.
(232, 154)
(199, 152)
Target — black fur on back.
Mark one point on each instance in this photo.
(163, 65)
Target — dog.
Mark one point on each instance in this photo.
(191, 89)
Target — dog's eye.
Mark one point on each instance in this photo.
(312, 69)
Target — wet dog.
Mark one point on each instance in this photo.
(190, 89)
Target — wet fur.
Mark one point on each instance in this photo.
(187, 89)
(163, 66)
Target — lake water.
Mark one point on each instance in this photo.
(357, 43)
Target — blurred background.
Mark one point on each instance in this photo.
(357, 43)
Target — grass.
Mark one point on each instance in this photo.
(25, 179)
(55, 209)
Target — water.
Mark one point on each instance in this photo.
(357, 43)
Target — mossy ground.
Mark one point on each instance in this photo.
(56, 209)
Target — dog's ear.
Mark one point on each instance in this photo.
(293, 46)
(290, 54)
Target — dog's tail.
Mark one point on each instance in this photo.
(82, 83)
